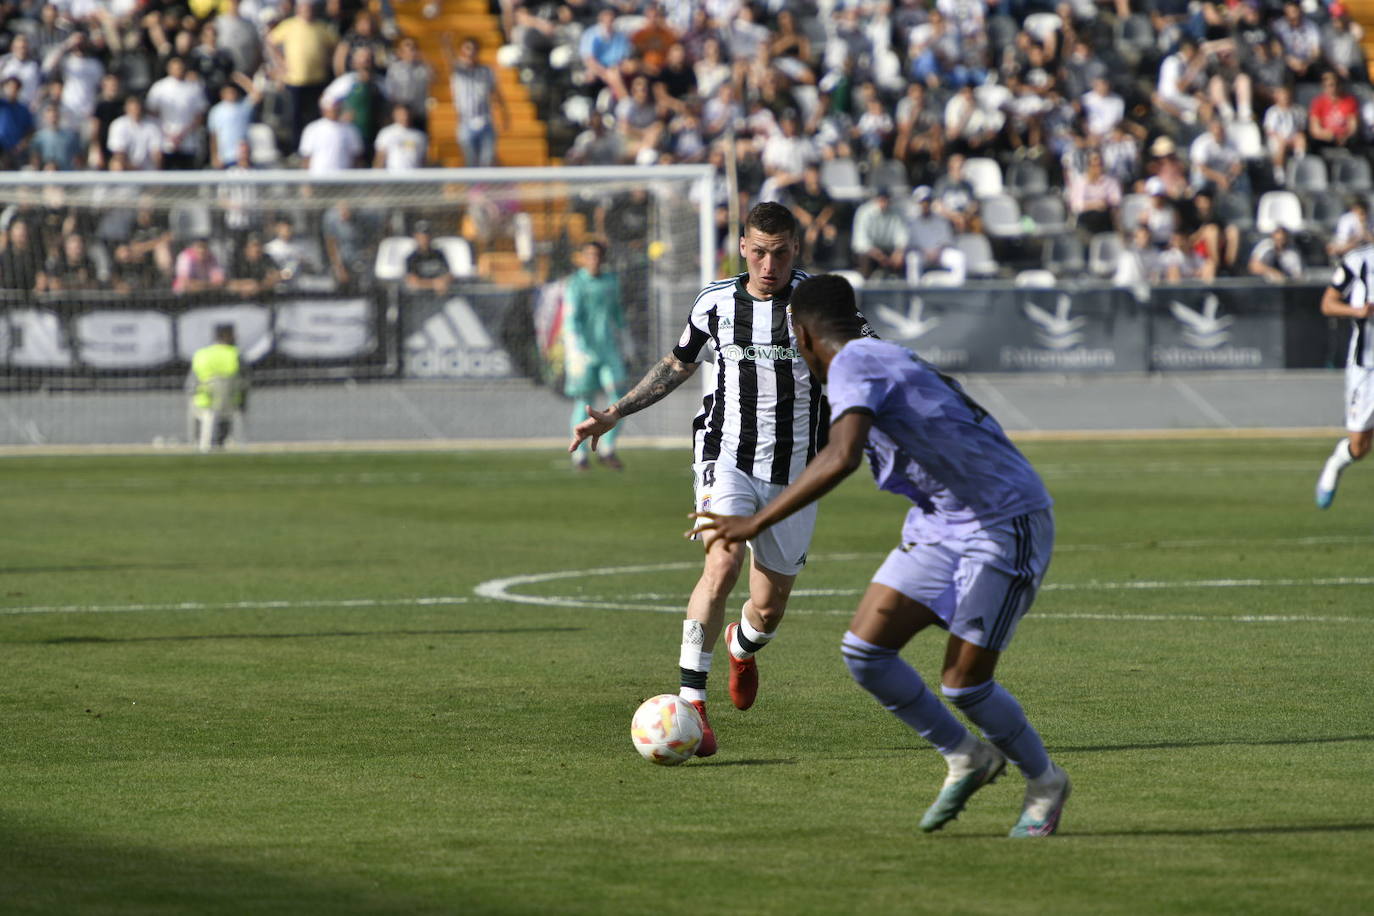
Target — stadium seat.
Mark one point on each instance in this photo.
(1351, 173)
(985, 175)
(1304, 93)
(1002, 216)
(1323, 208)
(1306, 174)
(522, 228)
(1135, 33)
(391, 257)
(1279, 208)
(977, 253)
(841, 179)
(991, 96)
(1132, 206)
(1063, 254)
(190, 221)
(1235, 208)
(562, 57)
(1104, 250)
(807, 98)
(1246, 137)
(262, 145)
(1041, 26)
(887, 71)
(578, 110)
(1002, 32)
(458, 253)
(1027, 179)
(940, 278)
(1035, 279)
(889, 174)
(1048, 213)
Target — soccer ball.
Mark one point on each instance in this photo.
(666, 730)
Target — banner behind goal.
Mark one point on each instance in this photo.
(110, 282)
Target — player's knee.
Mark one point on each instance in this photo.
(722, 568)
(868, 664)
(770, 612)
(1359, 445)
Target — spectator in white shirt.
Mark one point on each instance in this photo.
(1285, 131)
(1274, 260)
(330, 144)
(180, 105)
(80, 72)
(1217, 164)
(23, 66)
(399, 146)
(1352, 229)
(1102, 108)
(1182, 78)
(136, 138)
(786, 154)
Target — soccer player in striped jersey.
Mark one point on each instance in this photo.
(754, 434)
(975, 547)
(1351, 295)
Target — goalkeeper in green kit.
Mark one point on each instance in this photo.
(592, 321)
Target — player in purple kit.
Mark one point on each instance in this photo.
(975, 547)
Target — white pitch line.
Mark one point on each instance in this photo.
(500, 590)
(233, 605)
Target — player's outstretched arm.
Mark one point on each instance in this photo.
(657, 384)
(840, 458)
(1335, 307)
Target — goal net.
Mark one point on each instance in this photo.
(367, 306)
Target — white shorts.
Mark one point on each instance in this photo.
(1359, 399)
(979, 585)
(723, 488)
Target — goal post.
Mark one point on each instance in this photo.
(350, 327)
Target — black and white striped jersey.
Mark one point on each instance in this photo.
(1354, 280)
(766, 412)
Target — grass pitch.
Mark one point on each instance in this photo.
(293, 684)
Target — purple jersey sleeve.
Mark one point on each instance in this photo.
(855, 383)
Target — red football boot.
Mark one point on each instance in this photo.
(744, 674)
(707, 747)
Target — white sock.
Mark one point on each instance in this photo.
(962, 753)
(1340, 460)
(748, 640)
(694, 664)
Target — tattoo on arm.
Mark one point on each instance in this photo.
(657, 384)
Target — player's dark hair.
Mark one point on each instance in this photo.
(771, 219)
(827, 305)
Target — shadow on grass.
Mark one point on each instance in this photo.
(327, 634)
(1277, 829)
(48, 871)
(755, 762)
(1221, 742)
(92, 567)
(1148, 745)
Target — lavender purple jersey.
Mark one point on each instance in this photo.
(932, 443)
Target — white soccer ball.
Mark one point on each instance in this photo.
(666, 730)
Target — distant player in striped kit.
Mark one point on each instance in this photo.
(1351, 295)
(975, 547)
(753, 436)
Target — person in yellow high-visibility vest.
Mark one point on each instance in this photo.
(219, 392)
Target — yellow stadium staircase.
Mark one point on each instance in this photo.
(524, 143)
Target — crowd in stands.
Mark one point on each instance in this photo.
(939, 139)
(1142, 141)
(141, 85)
